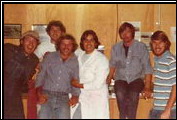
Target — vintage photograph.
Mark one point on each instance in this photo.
(12, 31)
(146, 38)
(41, 29)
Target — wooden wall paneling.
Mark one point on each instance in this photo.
(103, 20)
(76, 17)
(137, 12)
(168, 20)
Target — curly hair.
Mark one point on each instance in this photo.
(68, 37)
(56, 23)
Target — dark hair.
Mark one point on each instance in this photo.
(57, 24)
(127, 25)
(86, 34)
(160, 35)
(68, 37)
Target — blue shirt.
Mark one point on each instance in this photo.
(56, 74)
(165, 78)
(132, 67)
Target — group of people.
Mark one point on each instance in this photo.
(67, 76)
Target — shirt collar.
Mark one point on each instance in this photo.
(156, 58)
(70, 58)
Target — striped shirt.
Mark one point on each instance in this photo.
(56, 75)
(165, 78)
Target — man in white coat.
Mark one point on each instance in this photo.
(94, 68)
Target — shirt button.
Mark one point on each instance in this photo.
(58, 77)
(128, 62)
(57, 84)
(60, 72)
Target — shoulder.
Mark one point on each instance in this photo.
(140, 47)
(170, 58)
(10, 49)
(100, 57)
(139, 44)
(42, 45)
(79, 52)
(10, 46)
(52, 55)
(34, 59)
(117, 45)
(75, 58)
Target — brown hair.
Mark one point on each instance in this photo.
(160, 35)
(86, 34)
(127, 25)
(57, 24)
(68, 37)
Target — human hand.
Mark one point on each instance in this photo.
(108, 80)
(73, 101)
(165, 115)
(74, 83)
(147, 93)
(42, 99)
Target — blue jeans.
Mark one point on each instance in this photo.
(56, 107)
(128, 97)
(155, 114)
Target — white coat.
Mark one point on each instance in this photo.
(94, 95)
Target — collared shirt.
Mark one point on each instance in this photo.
(165, 78)
(135, 65)
(18, 68)
(56, 74)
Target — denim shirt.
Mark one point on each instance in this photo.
(56, 74)
(135, 65)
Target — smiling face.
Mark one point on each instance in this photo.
(89, 44)
(158, 47)
(66, 47)
(29, 44)
(54, 33)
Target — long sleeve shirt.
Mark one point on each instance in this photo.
(135, 65)
(56, 75)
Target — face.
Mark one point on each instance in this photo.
(66, 47)
(29, 44)
(159, 47)
(55, 33)
(89, 44)
(126, 35)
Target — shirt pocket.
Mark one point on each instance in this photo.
(136, 59)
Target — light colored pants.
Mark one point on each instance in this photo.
(56, 107)
(76, 111)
